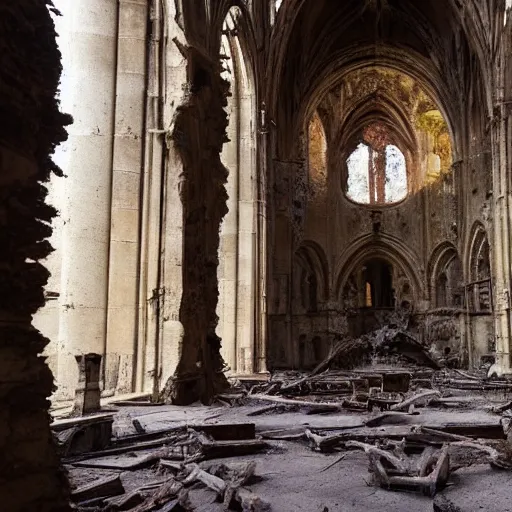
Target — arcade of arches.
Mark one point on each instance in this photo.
(242, 183)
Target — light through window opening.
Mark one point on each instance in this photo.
(377, 171)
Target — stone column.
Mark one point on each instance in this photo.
(150, 295)
(501, 246)
(198, 135)
(247, 207)
(280, 328)
(161, 332)
(501, 211)
(89, 49)
(123, 297)
(261, 345)
(237, 252)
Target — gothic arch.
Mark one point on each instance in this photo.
(385, 109)
(245, 26)
(445, 276)
(476, 242)
(387, 248)
(311, 256)
(448, 35)
(478, 270)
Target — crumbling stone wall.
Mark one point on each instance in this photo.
(443, 125)
(199, 133)
(31, 127)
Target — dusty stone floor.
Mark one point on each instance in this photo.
(293, 478)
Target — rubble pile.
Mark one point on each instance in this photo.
(419, 424)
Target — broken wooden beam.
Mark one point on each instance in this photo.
(390, 417)
(126, 501)
(474, 430)
(102, 488)
(400, 463)
(268, 408)
(219, 449)
(110, 452)
(170, 496)
(427, 477)
(421, 397)
(129, 462)
(301, 403)
(227, 481)
(219, 431)
(195, 473)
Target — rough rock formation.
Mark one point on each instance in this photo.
(30, 476)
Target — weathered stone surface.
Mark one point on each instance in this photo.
(87, 395)
(199, 132)
(30, 476)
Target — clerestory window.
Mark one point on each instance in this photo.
(377, 171)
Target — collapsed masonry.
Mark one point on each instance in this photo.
(412, 424)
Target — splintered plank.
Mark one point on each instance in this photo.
(220, 449)
(102, 488)
(123, 463)
(220, 432)
(300, 403)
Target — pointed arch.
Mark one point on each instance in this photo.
(311, 256)
(386, 247)
(478, 270)
(445, 276)
(477, 241)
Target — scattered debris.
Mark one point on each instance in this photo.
(85, 434)
(396, 471)
(337, 461)
(410, 445)
(421, 397)
(102, 488)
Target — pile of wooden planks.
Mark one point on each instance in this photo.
(179, 451)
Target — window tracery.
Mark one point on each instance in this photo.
(377, 170)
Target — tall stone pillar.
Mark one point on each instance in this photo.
(121, 359)
(247, 208)
(161, 332)
(501, 246)
(88, 42)
(281, 238)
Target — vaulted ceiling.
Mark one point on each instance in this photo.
(444, 45)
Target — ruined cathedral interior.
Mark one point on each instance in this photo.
(239, 237)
